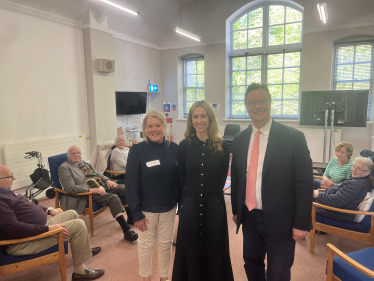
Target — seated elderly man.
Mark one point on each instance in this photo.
(74, 173)
(20, 218)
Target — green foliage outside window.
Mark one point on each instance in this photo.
(193, 82)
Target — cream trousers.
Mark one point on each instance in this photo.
(160, 228)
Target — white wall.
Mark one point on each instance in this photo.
(42, 83)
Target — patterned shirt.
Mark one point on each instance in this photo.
(337, 173)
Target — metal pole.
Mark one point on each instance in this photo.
(332, 128)
(325, 139)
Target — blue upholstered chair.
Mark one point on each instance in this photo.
(11, 264)
(356, 266)
(92, 209)
(363, 231)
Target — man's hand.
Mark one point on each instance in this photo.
(100, 190)
(111, 184)
(299, 234)
(141, 225)
(55, 212)
(235, 219)
(65, 232)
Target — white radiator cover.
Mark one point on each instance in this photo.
(22, 168)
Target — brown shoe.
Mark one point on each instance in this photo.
(90, 275)
(95, 251)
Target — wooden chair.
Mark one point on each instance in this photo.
(11, 264)
(92, 209)
(357, 266)
(109, 172)
(363, 231)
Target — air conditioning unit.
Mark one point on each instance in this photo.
(104, 65)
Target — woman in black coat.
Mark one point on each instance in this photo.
(349, 193)
(202, 252)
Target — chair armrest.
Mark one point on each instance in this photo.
(45, 234)
(343, 210)
(318, 177)
(114, 172)
(350, 261)
(64, 192)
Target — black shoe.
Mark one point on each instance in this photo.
(90, 275)
(131, 235)
(95, 251)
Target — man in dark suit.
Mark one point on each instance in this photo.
(272, 189)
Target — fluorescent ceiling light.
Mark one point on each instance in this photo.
(322, 10)
(120, 7)
(186, 33)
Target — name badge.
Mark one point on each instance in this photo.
(153, 163)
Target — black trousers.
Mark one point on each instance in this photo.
(257, 243)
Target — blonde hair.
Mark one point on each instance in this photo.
(156, 114)
(348, 146)
(215, 139)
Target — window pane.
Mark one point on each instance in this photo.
(293, 33)
(344, 72)
(240, 40)
(191, 67)
(275, 91)
(238, 93)
(238, 107)
(253, 76)
(238, 63)
(362, 71)
(361, 86)
(344, 86)
(291, 91)
(200, 67)
(191, 94)
(275, 61)
(292, 59)
(200, 94)
(276, 107)
(290, 107)
(200, 80)
(276, 35)
(292, 15)
(254, 62)
(291, 75)
(255, 38)
(345, 54)
(274, 76)
(238, 78)
(363, 53)
(241, 23)
(276, 15)
(255, 18)
(191, 80)
(189, 104)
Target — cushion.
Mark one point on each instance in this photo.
(364, 206)
(359, 227)
(347, 272)
(95, 206)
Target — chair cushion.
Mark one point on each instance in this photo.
(359, 227)
(364, 206)
(9, 259)
(96, 206)
(347, 272)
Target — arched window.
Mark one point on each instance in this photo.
(265, 47)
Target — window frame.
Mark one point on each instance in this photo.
(264, 51)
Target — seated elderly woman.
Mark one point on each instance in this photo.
(119, 156)
(349, 193)
(339, 167)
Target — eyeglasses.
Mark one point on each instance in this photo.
(359, 169)
(76, 153)
(10, 177)
(262, 102)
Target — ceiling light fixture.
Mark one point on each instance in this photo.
(322, 10)
(120, 7)
(182, 31)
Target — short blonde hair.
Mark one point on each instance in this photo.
(157, 114)
(348, 146)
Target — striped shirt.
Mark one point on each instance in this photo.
(337, 173)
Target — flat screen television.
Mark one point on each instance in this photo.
(130, 103)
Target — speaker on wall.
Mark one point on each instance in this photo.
(104, 65)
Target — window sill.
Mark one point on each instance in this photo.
(249, 120)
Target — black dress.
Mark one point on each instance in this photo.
(202, 252)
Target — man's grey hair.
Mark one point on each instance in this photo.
(68, 152)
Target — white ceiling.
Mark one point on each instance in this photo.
(157, 18)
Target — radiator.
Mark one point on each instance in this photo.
(22, 168)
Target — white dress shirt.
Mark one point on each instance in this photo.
(264, 137)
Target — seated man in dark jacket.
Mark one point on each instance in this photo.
(349, 193)
(73, 175)
(20, 219)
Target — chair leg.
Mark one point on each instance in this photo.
(91, 224)
(312, 237)
(62, 261)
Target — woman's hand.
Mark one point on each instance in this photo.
(141, 225)
(328, 182)
(315, 194)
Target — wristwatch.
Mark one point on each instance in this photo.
(49, 211)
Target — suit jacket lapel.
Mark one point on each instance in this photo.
(77, 170)
(274, 135)
(245, 149)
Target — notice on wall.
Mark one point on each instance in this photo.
(173, 107)
(166, 106)
(216, 106)
(169, 120)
